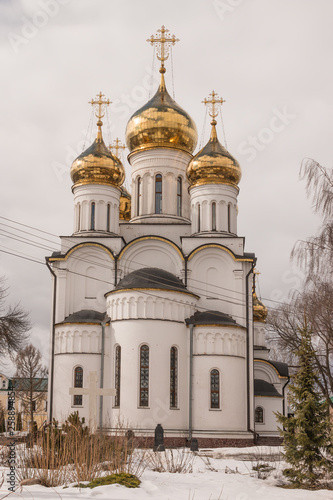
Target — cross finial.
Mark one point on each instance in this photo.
(211, 102)
(255, 277)
(116, 145)
(163, 43)
(100, 106)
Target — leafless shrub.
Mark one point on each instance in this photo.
(179, 460)
(60, 458)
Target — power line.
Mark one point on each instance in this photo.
(218, 287)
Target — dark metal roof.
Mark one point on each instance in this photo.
(151, 277)
(86, 316)
(263, 388)
(24, 384)
(211, 318)
(282, 368)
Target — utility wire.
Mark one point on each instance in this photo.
(133, 262)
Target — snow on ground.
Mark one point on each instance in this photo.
(219, 474)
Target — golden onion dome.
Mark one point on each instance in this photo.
(161, 123)
(213, 164)
(125, 204)
(97, 165)
(259, 309)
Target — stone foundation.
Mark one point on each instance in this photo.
(182, 442)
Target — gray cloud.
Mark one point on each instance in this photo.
(260, 56)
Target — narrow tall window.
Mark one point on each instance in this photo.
(173, 377)
(144, 375)
(108, 208)
(117, 366)
(138, 200)
(199, 219)
(78, 382)
(259, 415)
(179, 196)
(78, 216)
(229, 218)
(158, 194)
(92, 216)
(214, 389)
(214, 216)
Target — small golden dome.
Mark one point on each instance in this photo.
(161, 123)
(259, 309)
(213, 164)
(125, 204)
(97, 165)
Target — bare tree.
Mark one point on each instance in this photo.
(14, 325)
(284, 324)
(315, 301)
(30, 381)
(316, 253)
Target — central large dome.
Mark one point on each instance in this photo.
(161, 123)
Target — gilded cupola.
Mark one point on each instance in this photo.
(161, 123)
(97, 164)
(260, 311)
(125, 204)
(213, 164)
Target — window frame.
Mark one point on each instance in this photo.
(78, 383)
(179, 196)
(213, 391)
(92, 215)
(117, 375)
(108, 216)
(199, 218)
(174, 377)
(138, 194)
(261, 410)
(214, 216)
(229, 218)
(158, 194)
(144, 370)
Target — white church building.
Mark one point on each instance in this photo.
(155, 316)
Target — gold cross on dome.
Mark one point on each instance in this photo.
(212, 102)
(100, 105)
(116, 145)
(163, 44)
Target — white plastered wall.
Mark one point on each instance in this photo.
(223, 196)
(151, 253)
(83, 279)
(102, 196)
(171, 164)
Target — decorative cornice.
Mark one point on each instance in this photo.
(76, 247)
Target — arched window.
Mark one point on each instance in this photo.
(158, 194)
(259, 415)
(179, 196)
(213, 216)
(138, 199)
(108, 208)
(229, 218)
(78, 216)
(199, 219)
(78, 382)
(214, 389)
(144, 375)
(173, 377)
(117, 365)
(92, 216)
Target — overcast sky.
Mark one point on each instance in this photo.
(270, 60)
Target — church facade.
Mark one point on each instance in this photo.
(155, 316)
